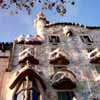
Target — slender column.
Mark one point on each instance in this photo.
(26, 91)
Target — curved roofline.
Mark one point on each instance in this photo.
(72, 24)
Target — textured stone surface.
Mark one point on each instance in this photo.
(74, 45)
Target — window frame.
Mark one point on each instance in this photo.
(54, 39)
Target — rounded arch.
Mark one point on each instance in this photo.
(64, 80)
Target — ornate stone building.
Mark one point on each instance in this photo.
(61, 62)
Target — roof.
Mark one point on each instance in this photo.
(72, 24)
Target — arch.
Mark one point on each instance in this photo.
(64, 80)
(27, 72)
(20, 78)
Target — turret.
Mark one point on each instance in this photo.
(40, 22)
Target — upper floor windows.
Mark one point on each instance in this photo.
(54, 39)
(86, 39)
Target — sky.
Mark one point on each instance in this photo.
(84, 12)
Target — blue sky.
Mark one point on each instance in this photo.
(85, 12)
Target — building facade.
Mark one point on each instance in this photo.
(61, 62)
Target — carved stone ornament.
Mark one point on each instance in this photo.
(28, 54)
(94, 56)
(29, 39)
(58, 57)
(67, 31)
(26, 71)
(64, 80)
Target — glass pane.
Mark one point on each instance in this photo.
(32, 95)
(20, 96)
(64, 96)
(35, 95)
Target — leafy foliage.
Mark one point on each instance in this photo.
(59, 5)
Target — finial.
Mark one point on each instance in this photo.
(41, 15)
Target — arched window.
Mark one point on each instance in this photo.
(29, 85)
(28, 90)
(32, 94)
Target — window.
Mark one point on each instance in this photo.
(86, 39)
(65, 95)
(31, 95)
(27, 91)
(54, 39)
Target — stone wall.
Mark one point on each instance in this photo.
(75, 46)
(4, 62)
